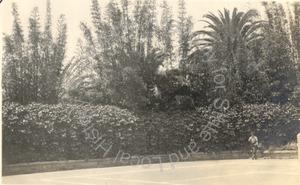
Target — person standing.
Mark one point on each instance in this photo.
(254, 144)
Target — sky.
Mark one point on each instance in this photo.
(79, 10)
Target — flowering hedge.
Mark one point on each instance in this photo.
(39, 132)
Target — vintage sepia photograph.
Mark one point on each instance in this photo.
(150, 92)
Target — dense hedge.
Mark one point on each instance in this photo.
(38, 132)
(273, 124)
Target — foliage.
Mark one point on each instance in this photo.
(229, 39)
(33, 66)
(185, 26)
(278, 55)
(180, 92)
(290, 146)
(46, 132)
(53, 132)
(126, 64)
(294, 25)
(125, 49)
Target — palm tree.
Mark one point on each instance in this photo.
(229, 37)
(239, 30)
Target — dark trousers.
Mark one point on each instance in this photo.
(253, 151)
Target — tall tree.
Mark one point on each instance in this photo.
(45, 55)
(96, 17)
(184, 28)
(33, 67)
(34, 42)
(165, 32)
(294, 19)
(229, 36)
(14, 59)
(278, 54)
(126, 59)
(295, 32)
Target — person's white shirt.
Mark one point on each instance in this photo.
(253, 140)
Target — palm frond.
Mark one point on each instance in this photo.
(247, 18)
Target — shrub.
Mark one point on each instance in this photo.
(38, 132)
